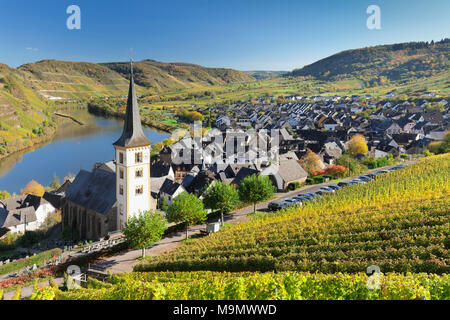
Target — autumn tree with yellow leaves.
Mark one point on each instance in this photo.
(357, 145)
(33, 188)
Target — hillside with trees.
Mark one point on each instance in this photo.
(162, 76)
(375, 65)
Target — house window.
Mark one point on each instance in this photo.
(120, 157)
(120, 189)
(121, 173)
(139, 173)
(139, 190)
(138, 157)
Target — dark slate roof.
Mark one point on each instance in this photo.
(132, 135)
(64, 186)
(169, 187)
(16, 217)
(159, 169)
(94, 190)
(22, 201)
(54, 199)
(202, 179)
(242, 174)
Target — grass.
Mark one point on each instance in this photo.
(28, 262)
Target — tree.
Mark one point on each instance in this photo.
(310, 162)
(222, 197)
(55, 182)
(4, 195)
(254, 189)
(357, 145)
(144, 230)
(33, 188)
(187, 208)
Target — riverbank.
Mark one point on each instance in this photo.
(100, 110)
(28, 145)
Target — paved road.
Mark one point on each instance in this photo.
(27, 291)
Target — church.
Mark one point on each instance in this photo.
(101, 201)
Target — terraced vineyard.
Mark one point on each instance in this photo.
(400, 222)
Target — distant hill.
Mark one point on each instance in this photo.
(24, 119)
(260, 75)
(72, 79)
(163, 76)
(397, 62)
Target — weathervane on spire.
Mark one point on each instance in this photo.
(131, 60)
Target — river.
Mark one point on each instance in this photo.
(73, 148)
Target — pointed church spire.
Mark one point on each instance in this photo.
(132, 135)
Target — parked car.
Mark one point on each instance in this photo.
(328, 189)
(292, 201)
(344, 183)
(302, 199)
(365, 178)
(274, 206)
(334, 187)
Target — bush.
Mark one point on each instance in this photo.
(293, 186)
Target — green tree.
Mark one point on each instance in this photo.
(445, 145)
(55, 182)
(187, 208)
(222, 197)
(254, 189)
(144, 230)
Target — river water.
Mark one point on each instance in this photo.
(73, 148)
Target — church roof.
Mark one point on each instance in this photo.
(132, 135)
(94, 190)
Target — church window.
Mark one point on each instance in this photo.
(121, 173)
(138, 157)
(120, 157)
(139, 173)
(139, 190)
(120, 189)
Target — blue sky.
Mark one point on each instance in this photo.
(240, 34)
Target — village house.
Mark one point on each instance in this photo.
(25, 212)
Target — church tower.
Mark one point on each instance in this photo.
(132, 163)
